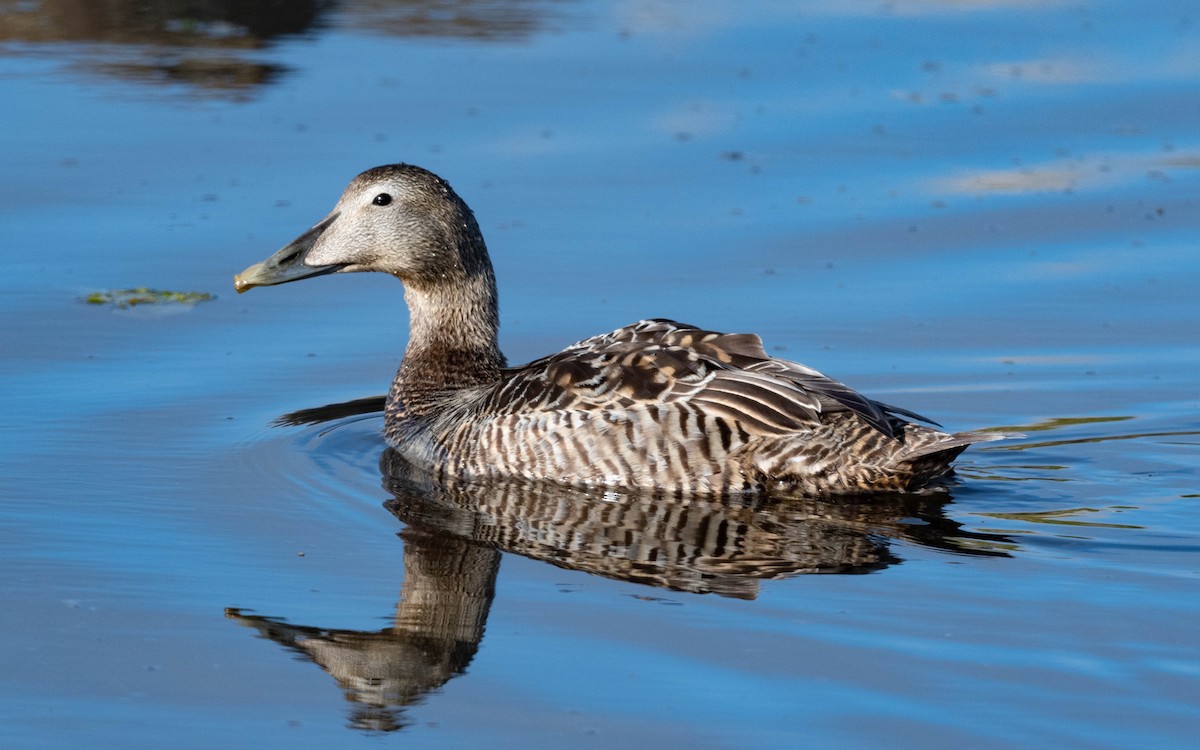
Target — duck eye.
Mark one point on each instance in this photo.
(382, 199)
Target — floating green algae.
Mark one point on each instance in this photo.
(125, 298)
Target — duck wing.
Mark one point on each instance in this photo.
(668, 365)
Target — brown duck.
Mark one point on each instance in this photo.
(655, 405)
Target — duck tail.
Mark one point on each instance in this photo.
(944, 443)
(930, 459)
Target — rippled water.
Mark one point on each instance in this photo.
(985, 212)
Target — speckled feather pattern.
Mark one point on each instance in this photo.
(659, 405)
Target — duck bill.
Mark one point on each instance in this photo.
(287, 264)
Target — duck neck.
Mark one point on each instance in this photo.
(453, 326)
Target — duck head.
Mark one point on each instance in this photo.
(397, 219)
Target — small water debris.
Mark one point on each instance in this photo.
(126, 298)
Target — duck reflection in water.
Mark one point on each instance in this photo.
(455, 531)
(444, 601)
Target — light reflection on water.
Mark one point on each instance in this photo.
(981, 211)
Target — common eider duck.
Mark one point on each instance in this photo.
(657, 405)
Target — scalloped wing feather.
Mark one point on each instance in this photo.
(653, 361)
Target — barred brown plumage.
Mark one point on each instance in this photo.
(655, 405)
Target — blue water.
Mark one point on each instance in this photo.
(985, 212)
